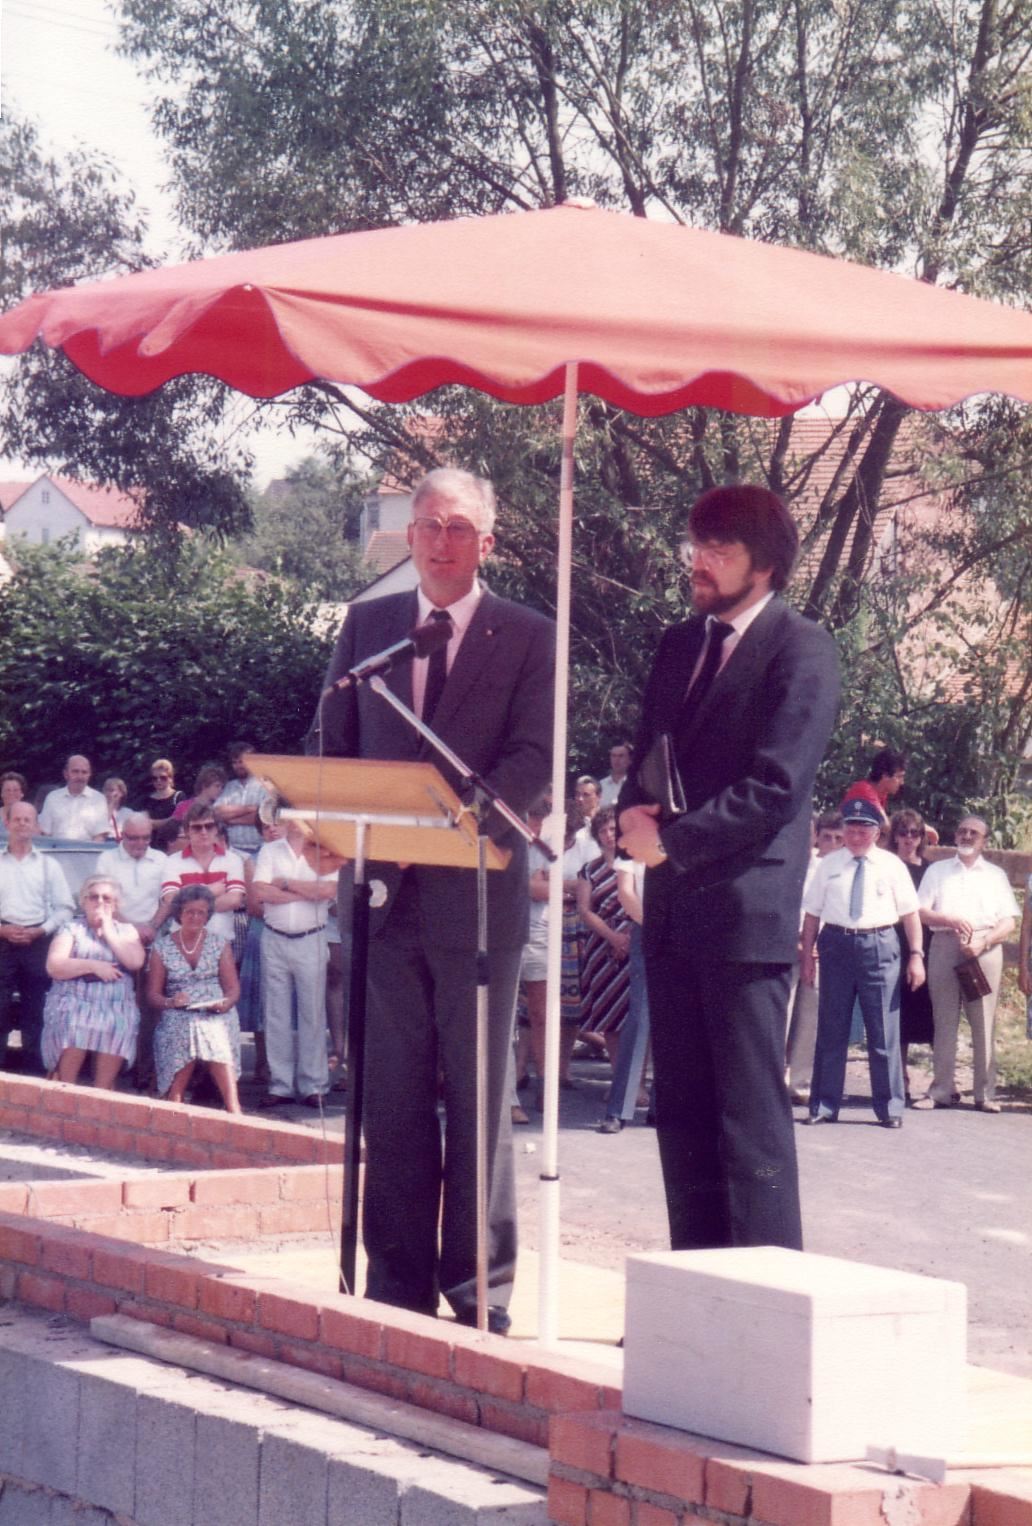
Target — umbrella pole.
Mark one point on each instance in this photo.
(548, 1238)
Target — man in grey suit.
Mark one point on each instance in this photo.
(488, 694)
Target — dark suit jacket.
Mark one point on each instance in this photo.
(495, 713)
(733, 884)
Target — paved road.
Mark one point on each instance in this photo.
(948, 1195)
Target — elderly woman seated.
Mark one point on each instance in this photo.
(91, 1006)
(193, 979)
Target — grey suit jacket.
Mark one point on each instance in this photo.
(495, 713)
(747, 758)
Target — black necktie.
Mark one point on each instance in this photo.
(436, 671)
(717, 632)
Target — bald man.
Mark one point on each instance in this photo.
(76, 811)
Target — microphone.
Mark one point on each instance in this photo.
(423, 640)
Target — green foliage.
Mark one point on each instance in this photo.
(62, 222)
(130, 656)
(306, 527)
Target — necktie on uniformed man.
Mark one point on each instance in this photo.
(436, 670)
(856, 890)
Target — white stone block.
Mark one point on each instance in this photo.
(809, 1357)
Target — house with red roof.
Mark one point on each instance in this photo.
(51, 508)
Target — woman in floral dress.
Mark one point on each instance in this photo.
(193, 979)
(91, 1006)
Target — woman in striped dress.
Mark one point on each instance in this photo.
(605, 974)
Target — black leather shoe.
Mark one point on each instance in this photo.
(498, 1321)
(890, 1123)
(273, 1099)
(609, 1126)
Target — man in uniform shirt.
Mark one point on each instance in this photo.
(34, 902)
(970, 907)
(295, 901)
(76, 811)
(856, 897)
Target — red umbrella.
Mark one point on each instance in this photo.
(649, 316)
(656, 315)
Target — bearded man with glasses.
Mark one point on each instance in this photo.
(488, 694)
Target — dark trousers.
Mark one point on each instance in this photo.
(863, 967)
(724, 1121)
(422, 1017)
(23, 968)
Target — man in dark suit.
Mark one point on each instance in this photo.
(747, 693)
(488, 694)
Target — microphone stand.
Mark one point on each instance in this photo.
(483, 798)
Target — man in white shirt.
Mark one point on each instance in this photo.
(856, 897)
(237, 806)
(970, 907)
(138, 870)
(295, 900)
(620, 755)
(76, 811)
(34, 902)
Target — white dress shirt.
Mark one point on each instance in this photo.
(978, 892)
(139, 880)
(34, 891)
(278, 861)
(461, 612)
(77, 817)
(889, 892)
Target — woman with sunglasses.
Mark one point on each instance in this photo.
(163, 797)
(91, 1006)
(907, 838)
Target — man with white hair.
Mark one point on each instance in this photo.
(75, 811)
(138, 870)
(488, 694)
(34, 902)
(970, 907)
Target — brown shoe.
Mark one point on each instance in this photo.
(518, 1115)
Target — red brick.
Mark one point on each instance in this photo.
(8, 1281)
(118, 1140)
(26, 1121)
(150, 1313)
(68, 1252)
(415, 1349)
(230, 1160)
(289, 1316)
(289, 1143)
(186, 1152)
(125, 1270)
(606, 1509)
(292, 1219)
(137, 1228)
(824, 1494)
(1002, 1503)
(19, 1242)
(253, 1340)
(13, 1197)
(228, 1299)
(93, 1105)
(75, 1132)
(558, 1389)
(41, 1292)
(214, 1128)
(567, 1502)
(173, 1280)
(647, 1514)
(59, 1099)
(85, 1303)
(490, 1370)
(170, 1118)
(584, 1441)
(235, 1223)
(203, 1329)
(355, 1333)
(26, 1092)
(660, 1460)
(516, 1420)
(382, 1380)
(312, 1359)
(74, 1197)
(443, 1399)
(728, 1486)
(249, 1187)
(160, 1191)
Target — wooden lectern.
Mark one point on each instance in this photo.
(403, 813)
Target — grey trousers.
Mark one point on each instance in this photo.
(947, 1006)
(419, 1205)
(295, 967)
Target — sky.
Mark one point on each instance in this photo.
(87, 97)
